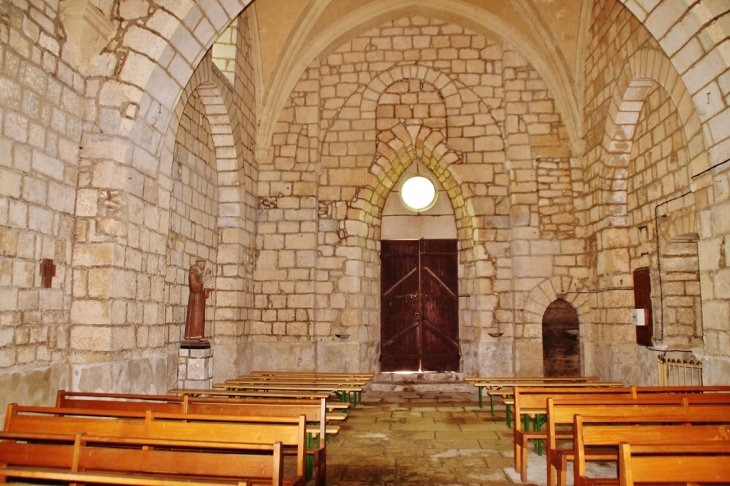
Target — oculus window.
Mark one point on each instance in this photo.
(418, 193)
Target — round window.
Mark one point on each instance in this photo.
(418, 193)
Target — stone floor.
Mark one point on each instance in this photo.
(425, 438)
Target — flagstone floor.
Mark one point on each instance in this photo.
(423, 439)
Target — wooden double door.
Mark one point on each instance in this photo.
(419, 323)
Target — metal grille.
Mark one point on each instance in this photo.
(676, 372)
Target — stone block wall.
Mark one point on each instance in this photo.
(92, 134)
(475, 114)
(644, 143)
(43, 114)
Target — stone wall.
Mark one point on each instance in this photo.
(475, 114)
(644, 146)
(77, 188)
(98, 102)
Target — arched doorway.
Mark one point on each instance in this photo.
(419, 320)
(560, 340)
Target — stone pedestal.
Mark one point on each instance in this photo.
(195, 368)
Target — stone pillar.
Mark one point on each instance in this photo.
(195, 368)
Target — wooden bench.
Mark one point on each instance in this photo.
(300, 379)
(560, 416)
(507, 392)
(77, 399)
(652, 463)
(327, 374)
(249, 393)
(531, 403)
(315, 413)
(314, 410)
(345, 392)
(499, 382)
(120, 401)
(606, 433)
(139, 461)
(166, 426)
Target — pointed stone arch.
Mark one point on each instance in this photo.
(218, 105)
(397, 149)
(640, 73)
(541, 54)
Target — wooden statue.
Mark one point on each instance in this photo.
(201, 284)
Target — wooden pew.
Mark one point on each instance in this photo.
(366, 375)
(300, 379)
(275, 380)
(166, 426)
(249, 393)
(507, 392)
(639, 428)
(560, 415)
(314, 410)
(500, 382)
(137, 461)
(77, 399)
(345, 392)
(531, 402)
(673, 463)
(119, 401)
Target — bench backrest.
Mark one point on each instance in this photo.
(642, 429)
(291, 432)
(109, 403)
(675, 463)
(313, 413)
(159, 458)
(529, 399)
(313, 409)
(563, 412)
(535, 398)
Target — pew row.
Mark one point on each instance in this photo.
(493, 383)
(134, 425)
(139, 461)
(560, 420)
(604, 433)
(318, 427)
(530, 407)
(346, 392)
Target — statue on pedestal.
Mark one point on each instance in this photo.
(201, 284)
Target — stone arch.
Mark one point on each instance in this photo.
(639, 74)
(396, 150)
(152, 76)
(216, 96)
(679, 225)
(696, 15)
(444, 83)
(541, 55)
(546, 292)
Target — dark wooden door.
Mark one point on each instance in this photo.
(419, 323)
(560, 340)
(642, 300)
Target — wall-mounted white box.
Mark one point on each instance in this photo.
(638, 317)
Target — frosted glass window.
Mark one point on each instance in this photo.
(418, 193)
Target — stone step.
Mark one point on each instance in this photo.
(421, 382)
